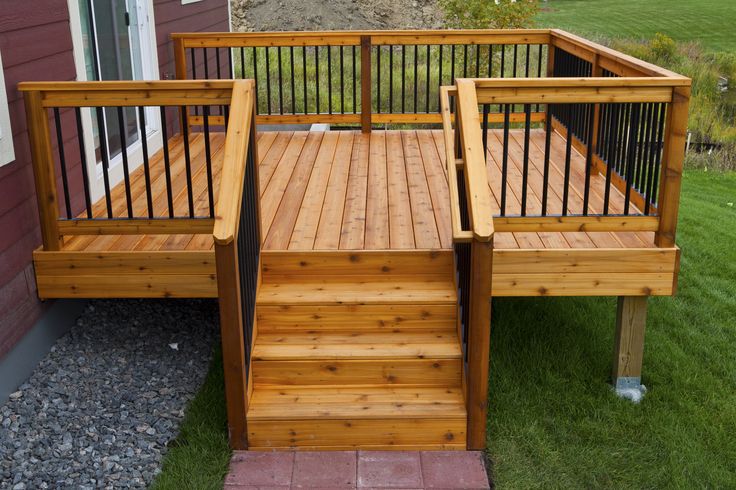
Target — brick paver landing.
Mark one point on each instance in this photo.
(357, 469)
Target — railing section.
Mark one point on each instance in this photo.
(142, 120)
(237, 239)
(619, 127)
(359, 77)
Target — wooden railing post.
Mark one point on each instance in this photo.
(180, 72)
(479, 341)
(672, 161)
(233, 343)
(365, 84)
(43, 169)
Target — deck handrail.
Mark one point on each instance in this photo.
(237, 141)
(66, 102)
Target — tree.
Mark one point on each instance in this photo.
(490, 14)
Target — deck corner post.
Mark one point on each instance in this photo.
(631, 319)
(479, 342)
(365, 84)
(233, 344)
(673, 157)
(43, 169)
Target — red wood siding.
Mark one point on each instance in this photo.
(36, 44)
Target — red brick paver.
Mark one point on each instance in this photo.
(327, 470)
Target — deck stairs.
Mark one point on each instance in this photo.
(357, 350)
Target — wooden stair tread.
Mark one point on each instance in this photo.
(359, 402)
(358, 345)
(329, 292)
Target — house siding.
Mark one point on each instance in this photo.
(36, 44)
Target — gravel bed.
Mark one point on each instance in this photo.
(100, 409)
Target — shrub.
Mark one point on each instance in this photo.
(489, 14)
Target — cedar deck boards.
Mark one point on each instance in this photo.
(345, 190)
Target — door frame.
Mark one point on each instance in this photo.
(150, 69)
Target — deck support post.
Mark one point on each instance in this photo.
(631, 319)
(233, 344)
(365, 84)
(479, 342)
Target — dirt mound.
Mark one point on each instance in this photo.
(299, 15)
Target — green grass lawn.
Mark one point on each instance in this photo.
(553, 420)
(709, 21)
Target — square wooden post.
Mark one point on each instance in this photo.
(631, 319)
(479, 342)
(233, 343)
(365, 84)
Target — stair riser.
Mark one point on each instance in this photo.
(374, 263)
(355, 318)
(427, 372)
(359, 433)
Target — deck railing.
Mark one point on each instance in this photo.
(359, 77)
(237, 236)
(157, 200)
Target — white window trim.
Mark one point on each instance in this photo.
(7, 152)
(184, 2)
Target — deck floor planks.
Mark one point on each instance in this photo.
(352, 191)
(352, 234)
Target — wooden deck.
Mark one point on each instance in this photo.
(345, 190)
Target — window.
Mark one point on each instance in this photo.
(7, 154)
(184, 2)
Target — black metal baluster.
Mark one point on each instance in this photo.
(490, 60)
(568, 155)
(342, 80)
(126, 168)
(545, 176)
(465, 61)
(355, 83)
(242, 62)
(194, 63)
(62, 163)
(281, 84)
(206, 64)
(503, 61)
(217, 60)
(146, 164)
(526, 61)
(329, 79)
(83, 157)
(658, 160)
(452, 69)
(516, 57)
(317, 76)
(293, 78)
(304, 78)
(439, 81)
(477, 61)
(230, 61)
(208, 160)
(588, 159)
(167, 162)
(255, 75)
(610, 150)
(391, 79)
(631, 156)
(416, 79)
(188, 166)
(268, 80)
(378, 79)
(525, 171)
(403, 79)
(505, 164)
(426, 95)
(105, 159)
(539, 68)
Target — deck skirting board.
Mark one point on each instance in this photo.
(155, 274)
(585, 272)
(516, 272)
